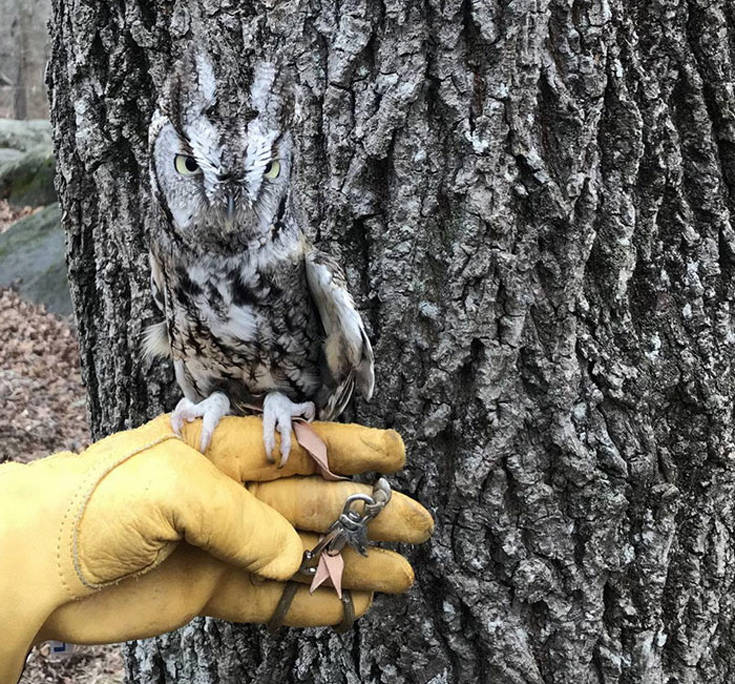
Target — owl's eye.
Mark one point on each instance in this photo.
(272, 169)
(186, 165)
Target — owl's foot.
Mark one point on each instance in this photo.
(211, 410)
(278, 410)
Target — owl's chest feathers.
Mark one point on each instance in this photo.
(244, 317)
(234, 305)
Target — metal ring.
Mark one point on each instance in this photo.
(365, 498)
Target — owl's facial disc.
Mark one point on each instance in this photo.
(211, 188)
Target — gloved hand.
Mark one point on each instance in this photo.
(141, 532)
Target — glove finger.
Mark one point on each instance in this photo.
(313, 504)
(381, 570)
(140, 607)
(189, 583)
(321, 608)
(218, 515)
(186, 498)
(237, 449)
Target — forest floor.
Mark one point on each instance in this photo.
(42, 401)
(8, 215)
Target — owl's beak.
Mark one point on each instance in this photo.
(230, 211)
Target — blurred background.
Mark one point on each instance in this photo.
(42, 398)
(23, 54)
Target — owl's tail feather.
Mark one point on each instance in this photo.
(155, 341)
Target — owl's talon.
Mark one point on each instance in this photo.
(285, 430)
(278, 410)
(211, 410)
(308, 410)
(178, 415)
(270, 445)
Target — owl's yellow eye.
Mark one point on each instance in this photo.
(272, 170)
(186, 165)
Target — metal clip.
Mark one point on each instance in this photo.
(350, 528)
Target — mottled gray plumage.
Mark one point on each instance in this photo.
(251, 310)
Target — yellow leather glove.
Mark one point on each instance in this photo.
(141, 532)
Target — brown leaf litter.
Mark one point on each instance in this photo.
(8, 215)
(42, 403)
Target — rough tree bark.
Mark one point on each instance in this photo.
(532, 199)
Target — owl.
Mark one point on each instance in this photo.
(253, 317)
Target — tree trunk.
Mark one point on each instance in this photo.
(532, 201)
(23, 55)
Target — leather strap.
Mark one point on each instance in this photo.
(316, 448)
(348, 617)
(284, 603)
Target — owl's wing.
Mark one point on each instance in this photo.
(348, 355)
(155, 337)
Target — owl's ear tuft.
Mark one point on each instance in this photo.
(261, 88)
(205, 79)
(191, 89)
(271, 93)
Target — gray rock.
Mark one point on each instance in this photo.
(29, 179)
(8, 154)
(24, 135)
(32, 259)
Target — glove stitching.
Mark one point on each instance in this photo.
(62, 535)
(88, 491)
(59, 570)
